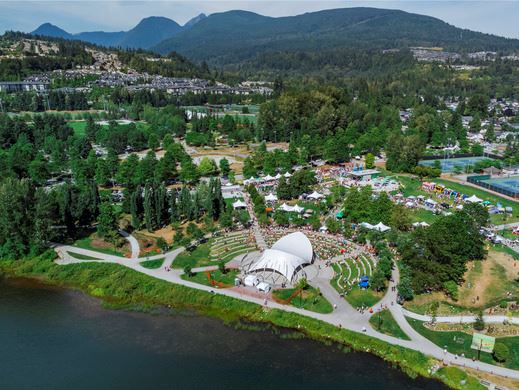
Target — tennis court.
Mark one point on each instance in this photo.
(449, 164)
(508, 184)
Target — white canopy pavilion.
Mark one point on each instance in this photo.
(271, 198)
(239, 204)
(315, 195)
(474, 199)
(285, 259)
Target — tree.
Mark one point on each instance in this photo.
(225, 168)
(479, 324)
(405, 291)
(377, 281)
(107, 222)
(501, 352)
(188, 270)
(221, 267)
(490, 134)
(451, 288)
(207, 167)
(370, 161)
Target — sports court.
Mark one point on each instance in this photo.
(449, 164)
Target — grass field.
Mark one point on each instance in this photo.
(197, 258)
(384, 322)
(152, 264)
(78, 127)
(358, 297)
(459, 343)
(309, 299)
(201, 277)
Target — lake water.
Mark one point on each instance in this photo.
(53, 338)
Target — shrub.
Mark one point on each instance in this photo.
(501, 352)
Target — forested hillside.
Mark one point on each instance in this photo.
(242, 39)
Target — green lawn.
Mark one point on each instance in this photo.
(422, 215)
(197, 258)
(310, 299)
(78, 127)
(384, 322)
(201, 277)
(358, 297)
(86, 243)
(507, 250)
(459, 343)
(152, 264)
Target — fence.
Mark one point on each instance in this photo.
(477, 180)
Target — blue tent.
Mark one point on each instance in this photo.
(364, 282)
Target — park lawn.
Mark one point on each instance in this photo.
(152, 264)
(384, 322)
(422, 215)
(358, 297)
(310, 299)
(421, 304)
(79, 256)
(201, 277)
(199, 257)
(459, 343)
(78, 127)
(97, 245)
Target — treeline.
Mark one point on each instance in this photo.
(153, 206)
(205, 129)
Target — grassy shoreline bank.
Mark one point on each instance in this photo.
(124, 288)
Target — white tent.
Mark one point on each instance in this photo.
(286, 257)
(367, 225)
(431, 202)
(285, 207)
(298, 209)
(474, 199)
(268, 178)
(315, 195)
(459, 207)
(271, 198)
(251, 280)
(287, 175)
(239, 205)
(381, 227)
(264, 287)
(420, 224)
(278, 176)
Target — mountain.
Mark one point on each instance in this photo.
(149, 32)
(234, 37)
(50, 30)
(190, 23)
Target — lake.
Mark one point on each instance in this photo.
(53, 338)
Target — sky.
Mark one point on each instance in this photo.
(495, 17)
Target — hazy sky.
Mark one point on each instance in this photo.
(497, 17)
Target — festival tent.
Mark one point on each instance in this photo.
(367, 225)
(431, 202)
(412, 197)
(474, 199)
(420, 224)
(268, 178)
(381, 227)
(251, 280)
(278, 176)
(264, 287)
(271, 198)
(315, 195)
(286, 257)
(298, 209)
(285, 207)
(339, 215)
(287, 175)
(239, 205)
(459, 207)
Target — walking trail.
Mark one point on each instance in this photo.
(344, 315)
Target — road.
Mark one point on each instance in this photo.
(344, 315)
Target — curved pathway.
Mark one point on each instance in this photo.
(134, 244)
(344, 315)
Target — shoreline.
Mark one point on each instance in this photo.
(128, 296)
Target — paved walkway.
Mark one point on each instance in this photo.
(134, 244)
(344, 315)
